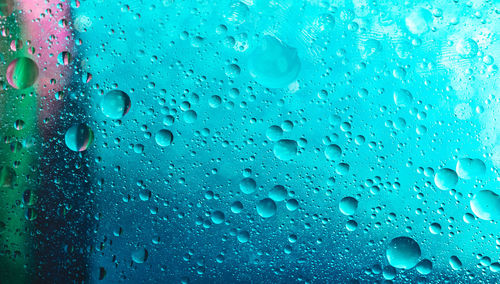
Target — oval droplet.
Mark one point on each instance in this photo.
(22, 73)
(79, 137)
(115, 104)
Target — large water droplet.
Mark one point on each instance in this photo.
(285, 149)
(115, 104)
(348, 205)
(22, 73)
(402, 97)
(470, 168)
(79, 137)
(217, 217)
(403, 252)
(278, 193)
(455, 262)
(164, 137)
(248, 185)
(467, 48)
(445, 179)
(266, 208)
(418, 21)
(273, 63)
(140, 255)
(486, 205)
(333, 152)
(424, 267)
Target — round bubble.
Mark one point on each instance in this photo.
(486, 205)
(278, 193)
(435, 228)
(274, 133)
(164, 137)
(22, 73)
(348, 205)
(495, 267)
(403, 252)
(243, 236)
(402, 97)
(237, 13)
(351, 225)
(470, 168)
(79, 137)
(274, 64)
(467, 48)
(217, 217)
(445, 179)
(115, 104)
(285, 149)
(342, 168)
(266, 208)
(140, 255)
(418, 21)
(248, 185)
(424, 267)
(333, 152)
(389, 272)
(190, 116)
(237, 207)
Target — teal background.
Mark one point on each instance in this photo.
(164, 53)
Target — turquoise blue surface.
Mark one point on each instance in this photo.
(376, 120)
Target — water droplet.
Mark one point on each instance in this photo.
(115, 104)
(455, 262)
(243, 236)
(285, 149)
(348, 205)
(333, 152)
(64, 58)
(445, 179)
(435, 228)
(190, 116)
(418, 21)
(217, 217)
(278, 193)
(389, 272)
(164, 138)
(236, 207)
(266, 208)
(486, 205)
(402, 97)
(140, 255)
(403, 252)
(248, 185)
(470, 168)
(351, 225)
(467, 48)
(274, 133)
(424, 267)
(79, 137)
(22, 73)
(292, 204)
(273, 63)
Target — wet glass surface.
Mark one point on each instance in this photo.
(286, 141)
